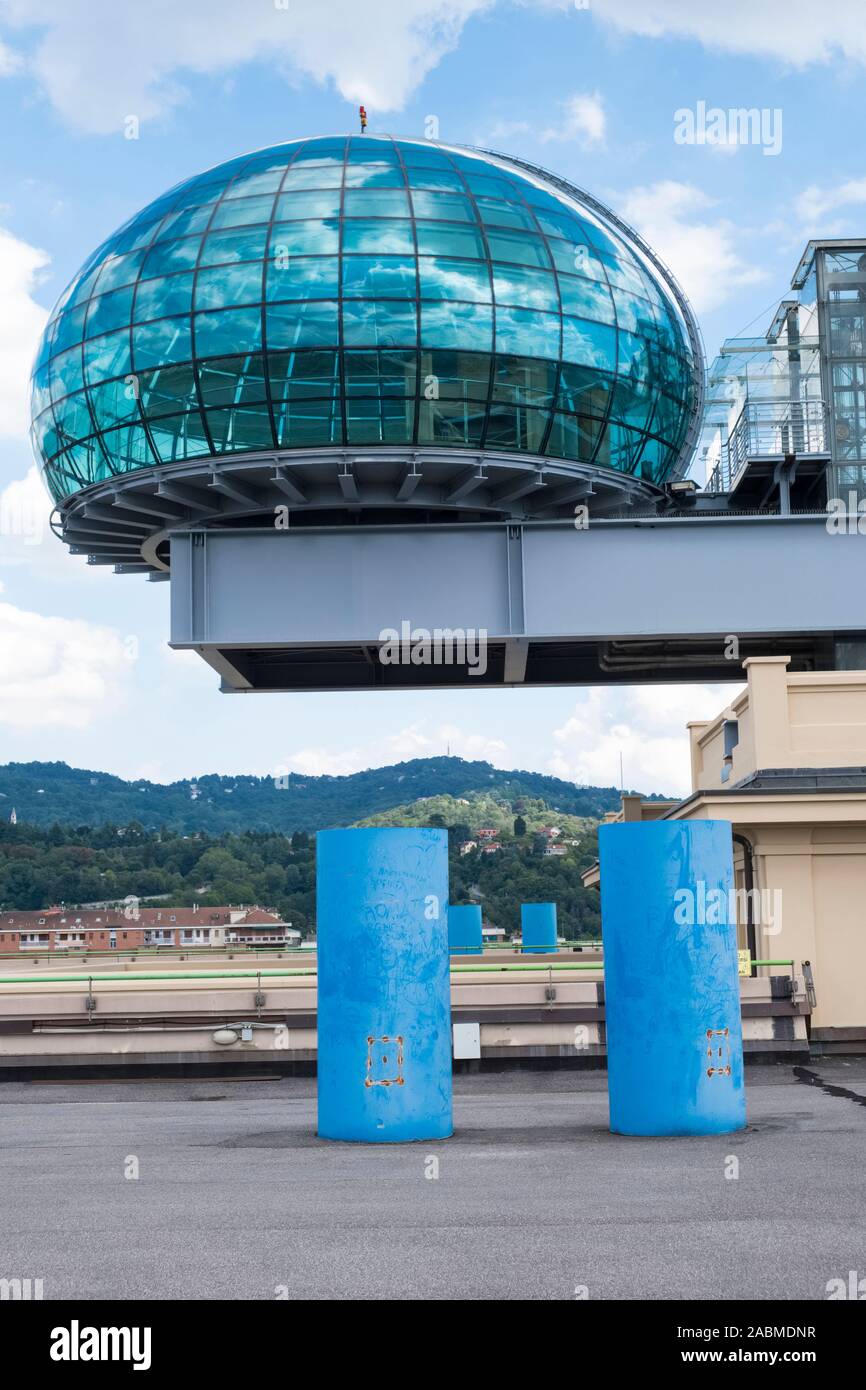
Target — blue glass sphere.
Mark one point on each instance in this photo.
(358, 291)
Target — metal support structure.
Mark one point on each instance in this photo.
(130, 516)
(629, 601)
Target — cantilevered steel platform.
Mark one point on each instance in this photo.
(622, 601)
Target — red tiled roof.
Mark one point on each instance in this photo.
(100, 919)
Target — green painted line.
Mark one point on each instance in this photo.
(553, 965)
(127, 975)
(571, 965)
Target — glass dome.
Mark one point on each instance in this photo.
(362, 290)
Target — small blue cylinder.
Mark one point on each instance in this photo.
(464, 930)
(671, 987)
(538, 928)
(384, 1010)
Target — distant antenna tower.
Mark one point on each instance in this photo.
(621, 780)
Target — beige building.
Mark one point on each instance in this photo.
(785, 763)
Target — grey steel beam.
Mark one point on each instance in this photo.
(259, 596)
(148, 505)
(516, 653)
(282, 479)
(516, 579)
(571, 492)
(467, 480)
(231, 486)
(115, 515)
(192, 497)
(531, 480)
(78, 532)
(116, 557)
(231, 677)
(348, 482)
(409, 481)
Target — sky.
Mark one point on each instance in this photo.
(593, 89)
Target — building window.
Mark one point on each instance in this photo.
(731, 736)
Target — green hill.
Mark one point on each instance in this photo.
(519, 871)
(481, 810)
(46, 793)
(84, 837)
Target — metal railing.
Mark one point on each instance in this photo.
(229, 949)
(84, 953)
(769, 429)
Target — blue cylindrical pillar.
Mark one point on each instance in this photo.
(538, 928)
(671, 987)
(384, 1011)
(464, 930)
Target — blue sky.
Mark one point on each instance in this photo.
(591, 92)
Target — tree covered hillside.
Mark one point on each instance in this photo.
(41, 866)
(46, 793)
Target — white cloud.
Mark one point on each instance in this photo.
(799, 32)
(99, 62)
(583, 120)
(414, 741)
(143, 55)
(680, 222)
(815, 204)
(319, 762)
(646, 724)
(25, 509)
(502, 132)
(10, 61)
(57, 670)
(27, 541)
(21, 323)
(726, 144)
